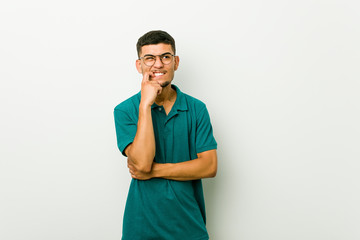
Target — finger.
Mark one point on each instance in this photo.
(129, 163)
(146, 77)
(151, 76)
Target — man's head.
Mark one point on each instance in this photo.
(156, 52)
(155, 37)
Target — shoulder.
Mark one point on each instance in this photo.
(130, 104)
(195, 105)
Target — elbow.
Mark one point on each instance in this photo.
(213, 168)
(145, 168)
(141, 163)
(141, 166)
(213, 172)
(209, 159)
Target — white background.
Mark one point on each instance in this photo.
(280, 80)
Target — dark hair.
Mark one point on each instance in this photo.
(155, 37)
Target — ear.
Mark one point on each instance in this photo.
(138, 66)
(177, 61)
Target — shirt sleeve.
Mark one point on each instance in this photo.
(125, 129)
(204, 133)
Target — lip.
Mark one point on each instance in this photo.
(154, 76)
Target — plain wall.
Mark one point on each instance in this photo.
(280, 80)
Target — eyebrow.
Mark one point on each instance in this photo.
(148, 55)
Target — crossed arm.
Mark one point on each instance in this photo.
(205, 166)
(141, 153)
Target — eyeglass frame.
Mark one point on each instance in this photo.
(150, 55)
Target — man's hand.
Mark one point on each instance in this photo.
(149, 90)
(138, 174)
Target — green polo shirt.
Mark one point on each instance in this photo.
(161, 209)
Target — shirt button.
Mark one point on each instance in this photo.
(159, 109)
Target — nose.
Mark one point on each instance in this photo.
(158, 63)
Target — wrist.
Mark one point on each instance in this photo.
(144, 106)
(156, 170)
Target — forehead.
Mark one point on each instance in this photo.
(156, 49)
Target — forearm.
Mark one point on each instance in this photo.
(202, 167)
(141, 151)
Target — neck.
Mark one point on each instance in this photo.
(168, 94)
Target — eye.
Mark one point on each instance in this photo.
(149, 58)
(166, 56)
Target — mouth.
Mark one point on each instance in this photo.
(158, 74)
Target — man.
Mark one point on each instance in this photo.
(167, 137)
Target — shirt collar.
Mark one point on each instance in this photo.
(180, 102)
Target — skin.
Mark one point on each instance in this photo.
(141, 152)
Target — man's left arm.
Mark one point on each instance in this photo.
(205, 166)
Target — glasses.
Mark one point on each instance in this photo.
(166, 58)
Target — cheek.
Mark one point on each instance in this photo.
(171, 74)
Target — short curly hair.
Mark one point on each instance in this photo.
(155, 37)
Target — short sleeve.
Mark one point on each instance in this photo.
(125, 129)
(204, 133)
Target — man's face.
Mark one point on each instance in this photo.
(160, 72)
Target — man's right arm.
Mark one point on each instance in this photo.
(141, 151)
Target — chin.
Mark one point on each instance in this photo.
(165, 84)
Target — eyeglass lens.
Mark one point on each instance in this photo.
(165, 59)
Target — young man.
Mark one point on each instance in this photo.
(168, 140)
